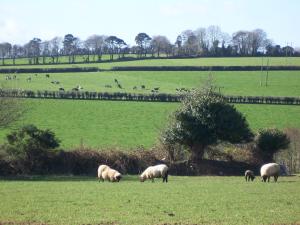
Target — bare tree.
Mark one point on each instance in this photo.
(96, 44)
(160, 44)
(5, 51)
(55, 47)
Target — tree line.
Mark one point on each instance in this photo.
(206, 42)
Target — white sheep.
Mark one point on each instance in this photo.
(159, 171)
(107, 173)
(249, 175)
(268, 170)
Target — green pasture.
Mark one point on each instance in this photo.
(279, 83)
(126, 125)
(228, 61)
(184, 200)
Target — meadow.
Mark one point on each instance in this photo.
(126, 125)
(184, 200)
(219, 61)
(280, 83)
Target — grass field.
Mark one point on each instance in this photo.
(280, 83)
(236, 61)
(184, 200)
(128, 124)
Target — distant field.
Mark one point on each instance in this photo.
(102, 124)
(184, 200)
(236, 61)
(280, 83)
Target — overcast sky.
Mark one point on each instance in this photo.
(21, 20)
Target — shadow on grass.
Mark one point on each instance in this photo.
(62, 178)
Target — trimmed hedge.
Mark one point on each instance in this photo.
(202, 68)
(157, 97)
(49, 70)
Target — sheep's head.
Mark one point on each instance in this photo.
(118, 178)
(142, 178)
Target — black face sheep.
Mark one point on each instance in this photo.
(249, 175)
(106, 173)
(269, 170)
(159, 171)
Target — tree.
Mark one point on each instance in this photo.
(5, 50)
(111, 43)
(55, 47)
(143, 41)
(204, 118)
(269, 141)
(96, 44)
(70, 43)
(160, 44)
(30, 146)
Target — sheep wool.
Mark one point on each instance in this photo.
(269, 170)
(107, 173)
(159, 171)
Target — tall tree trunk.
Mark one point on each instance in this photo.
(197, 151)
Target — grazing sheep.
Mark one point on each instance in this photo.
(155, 172)
(101, 168)
(106, 173)
(249, 175)
(269, 170)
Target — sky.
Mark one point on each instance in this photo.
(22, 20)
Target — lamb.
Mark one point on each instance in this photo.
(249, 175)
(106, 173)
(268, 170)
(155, 172)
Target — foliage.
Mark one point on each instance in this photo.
(205, 118)
(30, 146)
(269, 141)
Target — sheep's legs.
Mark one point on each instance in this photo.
(275, 178)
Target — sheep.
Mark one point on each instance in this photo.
(268, 170)
(155, 172)
(249, 175)
(106, 173)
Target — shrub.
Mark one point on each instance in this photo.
(28, 148)
(269, 141)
